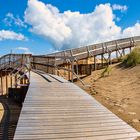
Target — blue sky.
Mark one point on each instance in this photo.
(44, 29)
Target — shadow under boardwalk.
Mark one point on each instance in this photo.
(63, 111)
(10, 118)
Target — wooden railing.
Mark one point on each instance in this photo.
(48, 64)
(65, 63)
(98, 49)
(14, 71)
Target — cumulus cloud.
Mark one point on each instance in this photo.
(122, 8)
(10, 20)
(132, 31)
(11, 35)
(24, 49)
(73, 29)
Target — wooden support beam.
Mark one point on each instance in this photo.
(24, 80)
(71, 52)
(95, 66)
(68, 71)
(1, 79)
(6, 80)
(102, 60)
(103, 50)
(11, 82)
(64, 73)
(77, 71)
(117, 54)
(105, 59)
(123, 51)
(88, 52)
(130, 49)
(15, 81)
(72, 68)
(117, 50)
(87, 68)
(21, 81)
(109, 58)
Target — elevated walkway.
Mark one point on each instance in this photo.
(56, 109)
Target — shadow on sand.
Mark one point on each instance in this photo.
(10, 118)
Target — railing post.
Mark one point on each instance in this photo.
(72, 68)
(116, 49)
(68, 71)
(95, 62)
(1, 76)
(6, 82)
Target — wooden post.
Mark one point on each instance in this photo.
(68, 71)
(116, 50)
(117, 54)
(21, 81)
(123, 51)
(95, 66)
(102, 59)
(130, 49)
(87, 69)
(64, 75)
(24, 82)
(72, 68)
(15, 81)
(6, 83)
(102, 55)
(77, 72)
(11, 80)
(109, 58)
(1, 82)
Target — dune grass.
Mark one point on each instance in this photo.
(133, 58)
(106, 71)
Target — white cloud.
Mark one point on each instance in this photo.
(73, 29)
(132, 31)
(24, 49)
(11, 35)
(122, 8)
(10, 20)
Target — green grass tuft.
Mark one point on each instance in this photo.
(106, 71)
(132, 59)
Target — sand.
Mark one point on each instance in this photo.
(119, 92)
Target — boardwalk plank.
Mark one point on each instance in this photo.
(61, 110)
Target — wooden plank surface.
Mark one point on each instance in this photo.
(60, 79)
(63, 111)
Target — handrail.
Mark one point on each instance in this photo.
(69, 56)
(16, 67)
(61, 68)
(113, 43)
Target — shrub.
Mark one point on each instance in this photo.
(133, 58)
(106, 71)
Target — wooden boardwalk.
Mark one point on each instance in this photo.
(59, 110)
